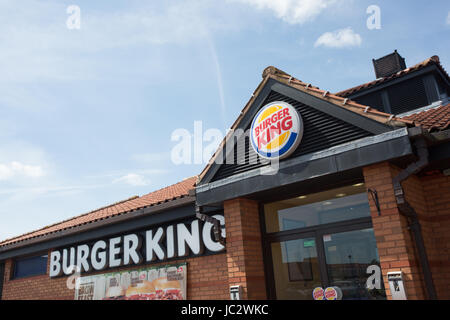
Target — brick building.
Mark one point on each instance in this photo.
(310, 190)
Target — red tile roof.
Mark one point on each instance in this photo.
(433, 60)
(176, 191)
(433, 119)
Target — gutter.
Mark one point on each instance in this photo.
(408, 211)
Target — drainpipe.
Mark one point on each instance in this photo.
(408, 211)
(217, 230)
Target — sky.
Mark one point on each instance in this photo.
(87, 114)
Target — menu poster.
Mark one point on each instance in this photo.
(159, 283)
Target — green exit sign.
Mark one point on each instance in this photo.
(309, 243)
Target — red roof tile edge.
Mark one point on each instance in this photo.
(437, 118)
(433, 60)
(166, 194)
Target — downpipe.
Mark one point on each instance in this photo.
(408, 211)
(217, 230)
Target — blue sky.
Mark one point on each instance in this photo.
(86, 115)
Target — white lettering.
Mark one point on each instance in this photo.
(131, 245)
(82, 258)
(55, 264)
(211, 244)
(170, 243)
(188, 239)
(98, 258)
(114, 250)
(152, 245)
(68, 267)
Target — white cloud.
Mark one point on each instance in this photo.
(292, 11)
(13, 169)
(448, 18)
(342, 38)
(132, 179)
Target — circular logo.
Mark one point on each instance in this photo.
(330, 294)
(276, 131)
(318, 294)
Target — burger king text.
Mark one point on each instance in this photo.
(152, 245)
(272, 127)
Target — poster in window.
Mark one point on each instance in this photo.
(159, 283)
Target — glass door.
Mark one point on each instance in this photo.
(322, 240)
(353, 265)
(296, 268)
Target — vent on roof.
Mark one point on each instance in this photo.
(388, 65)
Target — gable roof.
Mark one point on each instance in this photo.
(434, 60)
(167, 194)
(286, 79)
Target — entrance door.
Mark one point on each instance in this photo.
(351, 258)
(296, 268)
(331, 256)
(322, 240)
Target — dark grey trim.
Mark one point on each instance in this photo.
(386, 102)
(333, 110)
(303, 171)
(431, 88)
(125, 223)
(392, 82)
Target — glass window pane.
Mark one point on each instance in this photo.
(296, 269)
(31, 266)
(353, 264)
(335, 205)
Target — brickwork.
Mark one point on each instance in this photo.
(429, 197)
(436, 189)
(395, 246)
(244, 250)
(207, 279)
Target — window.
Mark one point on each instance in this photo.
(30, 266)
(335, 205)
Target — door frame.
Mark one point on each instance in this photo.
(316, 232)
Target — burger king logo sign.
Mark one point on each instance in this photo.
(276, 131)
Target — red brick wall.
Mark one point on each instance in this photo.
(244, 249)
(207, 279)
(436, 230)
(395, 246)
(429, 196)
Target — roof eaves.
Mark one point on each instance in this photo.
(4, 245)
